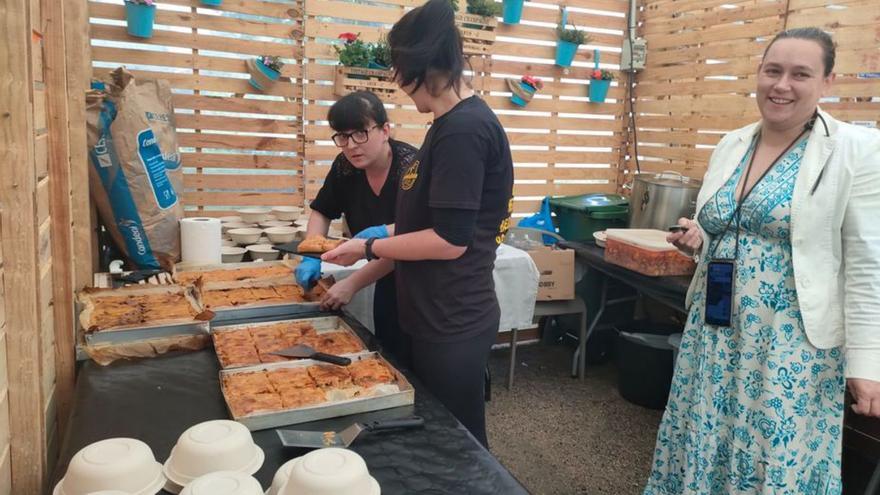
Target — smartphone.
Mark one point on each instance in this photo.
(719, 292)
(678, 228)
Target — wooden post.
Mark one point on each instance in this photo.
(19, 242)
(55, 76)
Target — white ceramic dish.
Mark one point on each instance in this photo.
(254, 215)
(330, 471)
(245, 236)
(281, 476)
(231, 219)
(600, 236)
(263, 252)
(231, 254)
(226, 227)
(224, 483)
(218, 445)
(276, 223)
(228, 242)
(121, 464)
(278, 235)
(287, 212)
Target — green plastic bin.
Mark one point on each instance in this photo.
(577, 217)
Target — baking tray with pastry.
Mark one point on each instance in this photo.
(278, 394)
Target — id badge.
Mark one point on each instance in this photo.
(719, 292)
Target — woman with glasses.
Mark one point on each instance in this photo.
(362, 186)
(453, 208)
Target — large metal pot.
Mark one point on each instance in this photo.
(658, 200)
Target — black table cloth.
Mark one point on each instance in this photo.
(155, 400)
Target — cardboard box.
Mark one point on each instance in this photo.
(556, 268)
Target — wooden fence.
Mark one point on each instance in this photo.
(246, 149)
(702, 64)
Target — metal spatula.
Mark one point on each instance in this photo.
(320, 439)
(305, 352)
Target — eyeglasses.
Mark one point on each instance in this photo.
(359, 137)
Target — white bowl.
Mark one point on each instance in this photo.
(263, 252)
(276, 223)
(245, 236)
(226, 227)
(231, 254)
(228, 242)
(217, 445)
(281, 476)
(254, 215)
(330, 471)
(231, 219)
(224, 483)
(123, 464)
(601, 236)
(287, 212)
(278, 235)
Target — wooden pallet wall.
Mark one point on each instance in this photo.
(702, 63)
(240, 147)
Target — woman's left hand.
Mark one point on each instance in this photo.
(866, 395)
(346, 254)
(338, 295)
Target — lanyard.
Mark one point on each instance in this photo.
(737, 213)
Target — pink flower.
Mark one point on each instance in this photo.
(597, 74)
(533, 81)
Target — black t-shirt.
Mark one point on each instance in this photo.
(347, 192)
(464, 163)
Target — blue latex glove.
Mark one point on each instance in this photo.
(308, 272)
(377, 231)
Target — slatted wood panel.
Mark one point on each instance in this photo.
(702, 63)
(241, 147)
(561, 143)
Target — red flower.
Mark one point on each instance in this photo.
(348, 37)
(533, 81)
(597, 74)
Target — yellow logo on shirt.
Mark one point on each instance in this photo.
(505, 224)
(410, 176)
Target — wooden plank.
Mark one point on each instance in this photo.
(345, 10)
(237, 105)
(795, 5)
(78, 62)
(6, 468)
(227, 141)
(738, 67)
(738, 106)
(4, 384)
(42, 201)
(697, 88)
(39, 109)
(867, 15)
(699, 20)
(240, 199)
(717, 51)
(18, 235)
(251, 7)
(211, 83)
(41, 156)
(678, 138)
(241, 182)
(701, 122)
(216, 160)
(763, 27)
(218, 123)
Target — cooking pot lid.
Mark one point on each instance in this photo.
(590, 202)
(668, 179)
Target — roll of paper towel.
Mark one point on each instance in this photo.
(200, 240)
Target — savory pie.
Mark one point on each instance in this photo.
(251, 383)
(237, 354)
(291, 377)
(330, 376)
(370, 372)
(234, 275)
(318, 244)
(254, 345)
(118, 311)
(244, 405)
(226, 298)
(333, 343)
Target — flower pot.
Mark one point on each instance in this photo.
(262, 76)
(517, 99)
(565, 51)
(139, 18)
(599, 90)
(212, 2)
(512, 11)
(374, 65)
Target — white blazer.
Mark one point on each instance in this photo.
(835, 235)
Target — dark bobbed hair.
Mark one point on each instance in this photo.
(426, 48)
(356, 110)
(812, 34)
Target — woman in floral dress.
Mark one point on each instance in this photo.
(756, 406)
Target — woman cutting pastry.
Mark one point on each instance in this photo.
(453, 209)
(362, 186)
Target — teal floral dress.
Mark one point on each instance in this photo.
(754, 408)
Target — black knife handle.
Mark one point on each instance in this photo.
(394, 424)
(331, 358)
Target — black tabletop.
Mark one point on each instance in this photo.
(670, 291)
(155, 400)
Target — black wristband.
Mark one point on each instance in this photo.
(368, 249)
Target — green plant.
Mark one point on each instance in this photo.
(454, 4)
(488, 8)
(381, 53)
(601, 74)
(575, 35)
(354, 53)
(273, 63)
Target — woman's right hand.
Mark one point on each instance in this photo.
(690, 240)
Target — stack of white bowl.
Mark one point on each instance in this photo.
(330, 471)
(122, 465)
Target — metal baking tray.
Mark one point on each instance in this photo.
(181, 268)
(261, 421)
(322, 324)
(129, 335)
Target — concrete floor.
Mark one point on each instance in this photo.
(561, 436)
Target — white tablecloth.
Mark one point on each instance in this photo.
(516, 286)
